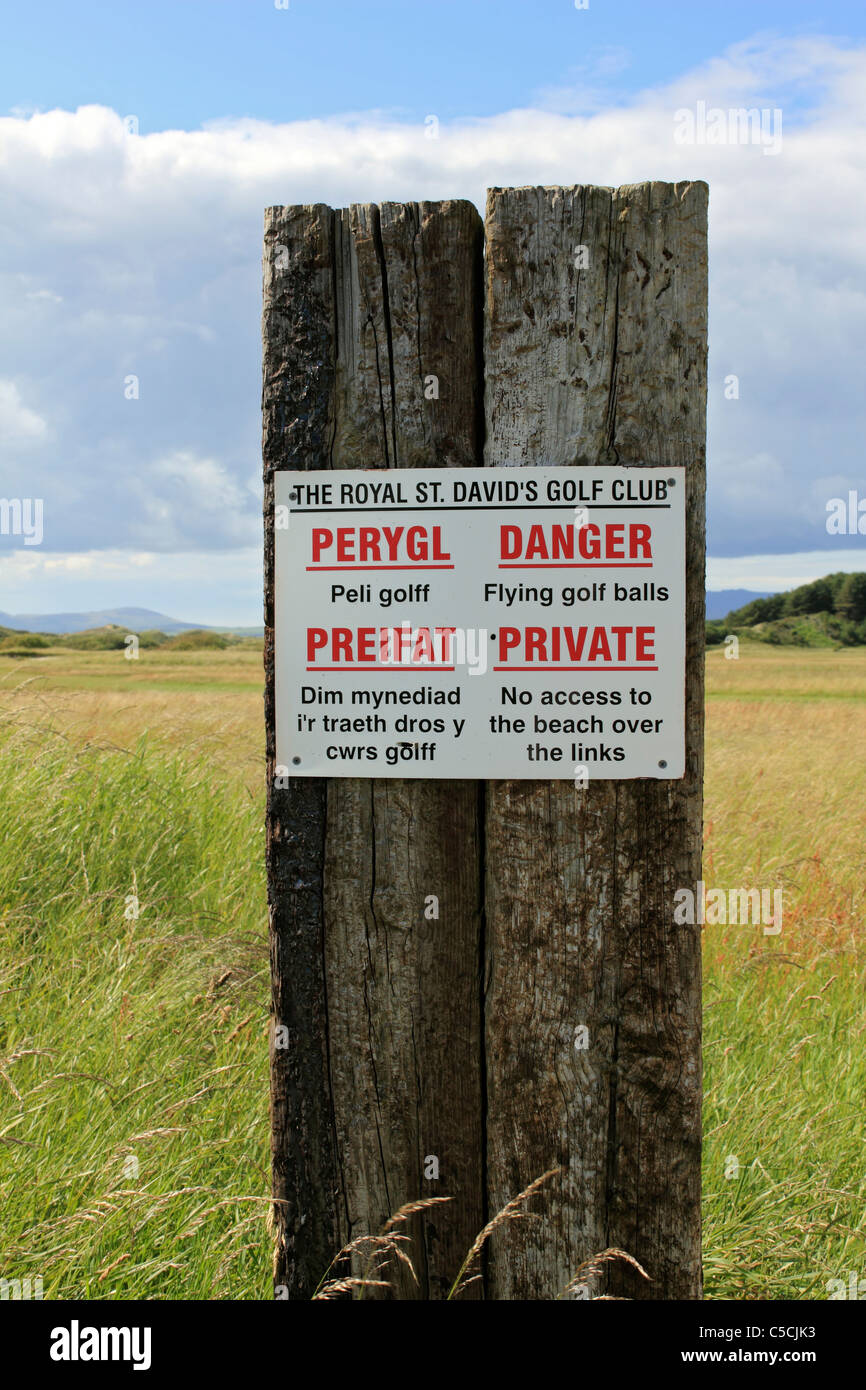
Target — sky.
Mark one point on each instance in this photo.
(139, 144)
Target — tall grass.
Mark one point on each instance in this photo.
(133, 977)
(784, 1018)
(133, 1116)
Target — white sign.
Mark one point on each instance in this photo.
(481, 622)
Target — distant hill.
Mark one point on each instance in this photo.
(130, 619)
(829, 612)
(720, 602)
(112, 637)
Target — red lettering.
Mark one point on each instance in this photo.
(536, 544)
(416, 543)
(345, 543)
(438, 552)
(392, 536)
(639, 541)
(563, 542)
(341, 643)
(588, 542)
(368, 544)
(322, 539)
(615, 542)
(510, 542)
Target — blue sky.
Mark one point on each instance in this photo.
(179, 63)
(141, 254)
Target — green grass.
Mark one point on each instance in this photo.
(109, 681)
(784, 1177)
(784, 1023)
(789, 696)
(134, 1153)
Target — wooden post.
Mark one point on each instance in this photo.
(406, 1038)
(297, 394)
(363, 309)
(595, 353)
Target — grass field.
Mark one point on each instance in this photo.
(133, 975)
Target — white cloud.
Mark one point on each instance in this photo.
(18, 424)
(773, 572)
(181, 585)
(183, 497)
(151, 247)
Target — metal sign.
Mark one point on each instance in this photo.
(480, 623)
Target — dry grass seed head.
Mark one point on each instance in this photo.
(594, 1266)
(510, 1212)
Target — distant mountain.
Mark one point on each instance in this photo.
(133, 619)
(721, 602)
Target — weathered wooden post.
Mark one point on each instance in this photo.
(382, 1063)
(403, 1036)
(595, 353)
